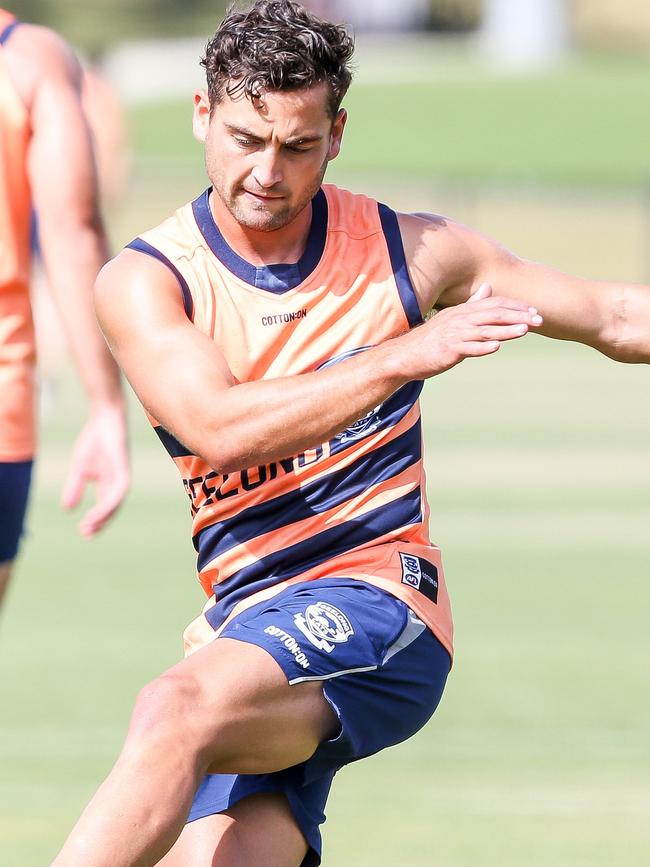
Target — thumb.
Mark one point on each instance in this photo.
(483, 291)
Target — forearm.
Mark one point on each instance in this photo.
(254, 423)
(71, 273)
(184, 379)
(613, 318)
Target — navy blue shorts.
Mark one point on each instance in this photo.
(382, 670)
(15, 479)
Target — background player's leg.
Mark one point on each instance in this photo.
(260, 829)
(226, 709)
(15, 478)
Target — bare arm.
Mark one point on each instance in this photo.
(183, 380)
(448, 261)
(64, 188)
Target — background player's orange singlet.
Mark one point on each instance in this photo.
(17, 353)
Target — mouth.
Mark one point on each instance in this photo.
(263, 197)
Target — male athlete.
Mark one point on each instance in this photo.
(46, 163)
(273, 328)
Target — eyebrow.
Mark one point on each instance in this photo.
(294, 140)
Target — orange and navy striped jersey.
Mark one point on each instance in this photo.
(354, 506)
(17, 352)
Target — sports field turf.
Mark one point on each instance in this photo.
(538, 471)
(586, 123)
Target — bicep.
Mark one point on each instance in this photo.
(176, 371)
(450, 261)
(445, 258)
(572, 308)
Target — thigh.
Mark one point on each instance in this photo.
(363, 652)
(379, 666)
(236, 710)
(260, 829)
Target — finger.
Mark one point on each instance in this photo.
(497, 302)
(483, 291)
(95, 518)
(501, 332)
(476, 348)
(505, 316)
(73, 488)
(108, 501)
(491, 300)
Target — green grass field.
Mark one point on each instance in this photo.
(538, 473)
(585, 124)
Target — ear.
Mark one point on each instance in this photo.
(201, 116)
(337, 134)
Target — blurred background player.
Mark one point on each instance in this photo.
(48, 165)
(105, 117)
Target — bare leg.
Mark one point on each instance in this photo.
(225, 709)
(5, 574)
(258, 830)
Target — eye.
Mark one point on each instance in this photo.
(297, 149)
(245, 142)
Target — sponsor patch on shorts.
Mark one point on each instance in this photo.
(421, 575)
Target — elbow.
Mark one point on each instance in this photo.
(627, 351)
(222, 451)
(624, 337)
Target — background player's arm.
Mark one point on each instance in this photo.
(183, 380)
(64, 187)
(447, 261)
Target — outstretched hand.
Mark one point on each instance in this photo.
(99, 455)
(477, 327)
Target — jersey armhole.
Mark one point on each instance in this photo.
(143, 247)
(393, 236)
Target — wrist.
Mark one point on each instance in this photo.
(390, 364)
(113, 403)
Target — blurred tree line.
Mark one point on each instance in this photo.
(455, 15)
(96, 25)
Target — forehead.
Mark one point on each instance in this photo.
(291, 111)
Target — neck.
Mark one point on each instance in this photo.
(279, 246)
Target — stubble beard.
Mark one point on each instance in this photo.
(260, 219)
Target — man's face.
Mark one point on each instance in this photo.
(266, 159)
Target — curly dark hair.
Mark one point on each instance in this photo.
(277, 45)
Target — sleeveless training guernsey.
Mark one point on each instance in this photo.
(17, 354)
(354, 506)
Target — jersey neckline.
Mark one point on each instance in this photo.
(279, 278)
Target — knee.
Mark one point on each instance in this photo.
(164, 712)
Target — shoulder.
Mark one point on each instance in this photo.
(39, 59)
(435, 249)
(445, 256)
(429, 231)
(130, 272)
(354, 214)
(133, 285)
(38, 56)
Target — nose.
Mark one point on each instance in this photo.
(267, 171)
